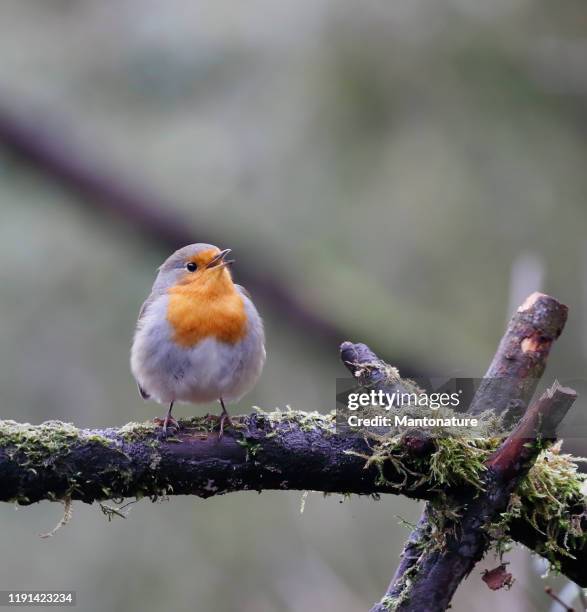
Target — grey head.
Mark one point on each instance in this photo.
(191, 259)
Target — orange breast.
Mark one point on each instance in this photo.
(199, 312)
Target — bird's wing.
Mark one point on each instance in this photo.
(157, 290)
(142, 313)
(145, 305)
(142, 392)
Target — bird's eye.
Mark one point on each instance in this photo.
(191, 266)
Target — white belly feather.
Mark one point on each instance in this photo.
(202, 373)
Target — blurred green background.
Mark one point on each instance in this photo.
(409, 170)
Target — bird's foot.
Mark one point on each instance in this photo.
(169, 426)
(221, 419)
(224, 418)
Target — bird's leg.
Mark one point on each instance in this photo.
(224, 417)
(168, 420)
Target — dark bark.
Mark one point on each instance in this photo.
(369, 370)
(295, 452)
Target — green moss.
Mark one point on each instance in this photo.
(251, 447)
(44, 446)
(389, 603)
(205, 424)
(132, 432)
(551, 499)
(455, 461)
(459, 461)
(34, 443)
(274, 420)
(306, 421)
(392, 603)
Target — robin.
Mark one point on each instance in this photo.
(199, 337)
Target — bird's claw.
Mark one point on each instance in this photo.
(224, 418)
(169, 426)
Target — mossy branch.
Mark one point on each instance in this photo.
(453, 536)
(519, 490)
(282, 450)
(275, 450)
(463, 522)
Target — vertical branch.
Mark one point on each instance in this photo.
(436, 574)
(509, 383)
(521, 356)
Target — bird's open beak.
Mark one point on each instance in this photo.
(220, 260)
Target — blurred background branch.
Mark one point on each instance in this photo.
(54, 154)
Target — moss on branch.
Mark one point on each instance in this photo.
(287, 449)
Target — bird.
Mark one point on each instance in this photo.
(199, 338)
